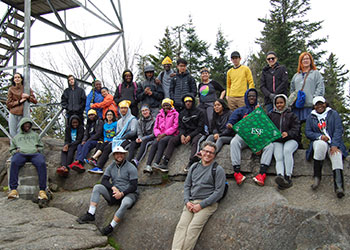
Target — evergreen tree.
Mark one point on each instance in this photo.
(178, 33)
(220, 63)
(288, 33)
(196, 50)
(335, 79)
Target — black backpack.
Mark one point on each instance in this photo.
(213, 173)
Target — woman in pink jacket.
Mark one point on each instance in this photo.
(165, 127)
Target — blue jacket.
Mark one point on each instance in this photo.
(334, 129)
(98, 99)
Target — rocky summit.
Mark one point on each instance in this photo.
(249, 217)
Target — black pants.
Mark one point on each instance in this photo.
(157, 149)
(68, 157)
(142, 148)
(106, 152)
(176, 140)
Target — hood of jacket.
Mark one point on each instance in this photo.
(246, 98)
(194, 103)
(124, 118)
(274, 103)
(25, 120)
(74, 117)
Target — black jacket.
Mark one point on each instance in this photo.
(182, 84)
(286, 122)
(94, 130)
(219, 122)
(191, 121)
(127, 91)
(80, 132)
(73, 100)
(279, 72)
(157, 96)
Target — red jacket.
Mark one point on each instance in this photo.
(106, 104)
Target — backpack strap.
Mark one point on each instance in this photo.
(213, 170)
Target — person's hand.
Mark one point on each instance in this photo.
(157, 81)
(226, 98)
(150, 92)
(183, 139)
(187, 139)
(258, 153)
(83, 142)
(65, 148)
(196, 208)
(324, 138)
(216, 137)
(138, 140)
(229, 125)
(24, 96)
(118, 195)
(189, 206)
(159, 137)
(22, 100)
(172, 74)
(284, 134)
(334, 150)
(91, 105)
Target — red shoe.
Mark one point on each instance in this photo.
(239, 178)
(73, 164)
(79, 168)
(62, 171)
(260, 179)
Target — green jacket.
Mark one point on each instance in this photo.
(26, 143)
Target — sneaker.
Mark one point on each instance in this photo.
(86, 161)
(107, 230)
(92, 162)
(73, 164)
(280, 181)
(260, 179)
(147, 169)
(96, 170)
(78, 167)
(13, 194)
(239, 178)
(62, 171)
(188, 166)
(134, 162)
(86, 218)
(42, 195)
(162, 168)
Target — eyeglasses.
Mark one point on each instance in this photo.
(208, 152)
(270, 58)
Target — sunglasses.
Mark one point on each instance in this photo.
(270, 58)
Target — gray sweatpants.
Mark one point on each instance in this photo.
(220, 142)
(283, 153)
(127, 201)
(237, 144)
(321, 148)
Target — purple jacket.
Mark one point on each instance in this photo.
(166, 124)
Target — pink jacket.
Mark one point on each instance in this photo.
(168, 124)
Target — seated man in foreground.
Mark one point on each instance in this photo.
(26, 146)
(203, 190)
(122, 190)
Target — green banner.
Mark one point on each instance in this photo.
(257, 130)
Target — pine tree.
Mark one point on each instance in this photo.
(288, 33)
(220, 63)
(335, 79)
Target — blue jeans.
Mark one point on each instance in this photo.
(19, 159)
(83, 150)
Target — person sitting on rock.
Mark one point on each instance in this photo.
(165, 128)
(26, 146)
(201, 195)
(219, 133)
(118, 186)
(145, 136)
(92, 135)
(73, 137)
(324, 129)
(109, 131)
(237, 143)
(126, 132)
(191, 131)
(283, 148)
(107, 103)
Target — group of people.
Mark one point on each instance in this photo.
(170, 117)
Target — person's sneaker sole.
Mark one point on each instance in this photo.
(163, 170)
(258, 182)
(79, 170)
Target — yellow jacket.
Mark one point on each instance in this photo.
(237, 81)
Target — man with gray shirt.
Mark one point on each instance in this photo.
(202, 191)
(122, 189)
(165, 76)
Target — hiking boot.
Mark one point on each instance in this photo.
(62, 171)
(134, 162)
(79, 168)
(148, 169)
(316, 183)
(96, 170)
(283, 182)
(338, 182)
(162, 168)
(42, 195)
(13, 194)
(260, 179)
(107, 230)
(86, 218)
(239, 178)
(92, 162)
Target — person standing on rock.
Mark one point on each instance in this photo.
(202, 192)
(26, 146)
(325, 130)
(165, 76)
(237, 143)
(118, 186)
(95, 96)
